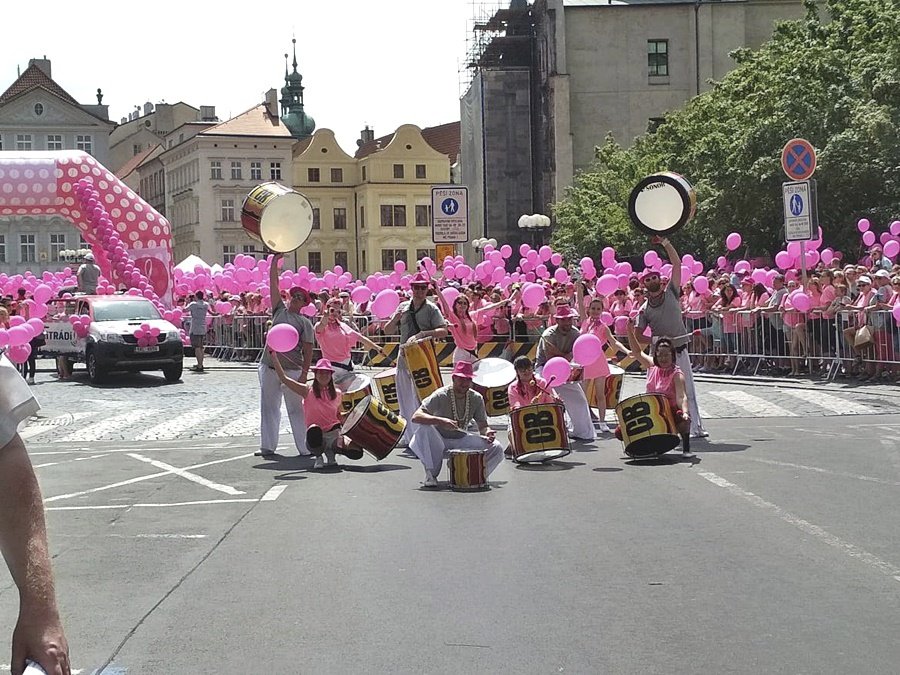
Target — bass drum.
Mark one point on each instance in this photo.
(373, 427)
(539, 433)
(492, 378)
(353, 390)
(280, 218)
(647, 426)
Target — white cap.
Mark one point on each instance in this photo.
(89, 257)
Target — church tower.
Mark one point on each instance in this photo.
(294, 117)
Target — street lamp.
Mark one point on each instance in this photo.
(536, 223)
(479, 244)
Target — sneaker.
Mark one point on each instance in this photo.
(687, 454)
(430, 480)
(30, 380)
(320, 463)
(603, 428)
(352, 452)
(701, 434)
(265, 454)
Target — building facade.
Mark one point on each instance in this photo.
(36, 114)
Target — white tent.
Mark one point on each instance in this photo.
(216, 269)
(189, 263)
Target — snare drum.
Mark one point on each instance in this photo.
(468, 469)
(277, 216)
(374, 427)
(423, 367)
(647, 426)
(353, 390)
(492, 378)
(386, 388)
(613, 388)
(539, 433)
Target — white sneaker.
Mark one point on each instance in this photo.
(30, 380)
(320, 462)
(430, 480)
(603, 428)
(687, 454)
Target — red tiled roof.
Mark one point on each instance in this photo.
(136, 161)
(443, 138)
(35, 78)
(300, 146)
(254, 122)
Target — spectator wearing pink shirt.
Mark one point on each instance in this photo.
(795, 329)
(726, 307)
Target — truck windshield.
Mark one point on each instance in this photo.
(125, 310)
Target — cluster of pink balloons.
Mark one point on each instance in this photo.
(17, 337)
(80, 324)
(146, 335)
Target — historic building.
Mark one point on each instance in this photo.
(551, 79)
(37, 114)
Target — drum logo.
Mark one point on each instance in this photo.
(389, 391)
(387, 416)
(540, 427)
(500, 399)
(422, 378)
(637, 418)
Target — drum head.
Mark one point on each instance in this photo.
(351, 385)
(648, 448)
(286, 222)
(662, 204)
(542, 456)
(390, 372)
(493, 372)
(615, 370)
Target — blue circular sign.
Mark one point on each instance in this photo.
(796, 205)
(449, 206)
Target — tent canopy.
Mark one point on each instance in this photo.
(189, 263)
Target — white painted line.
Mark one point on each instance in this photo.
(142, 448)
(851, 550)
(755, 405)
(53, 424)
(74, 671)
(194, 478)
(95, 432)
(67, 461)
(273, 493)
(106, 507)
(817, 469)
(140, 479)
(836, 404)
(160, 536)
(173, 428)
(245, 425)
(705, 415)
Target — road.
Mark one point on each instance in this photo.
(176, 551)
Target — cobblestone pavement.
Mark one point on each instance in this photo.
(223, 403)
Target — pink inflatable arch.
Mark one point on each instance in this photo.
(130, 240)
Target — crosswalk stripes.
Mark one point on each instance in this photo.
(97, 430)
(174, 427)
(836, 404)
(755, 405)
(53, 424)
(242, 425)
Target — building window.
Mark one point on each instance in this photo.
(54, 142)
(423, 215)
(341, 258)
(275, 170)
(364, 173)
(398, 171)
(84, 143)
(658, 58)
(136, 149)
(2, 248)
(27, 248)
(315, 262)
(312, 175)
(425, 253)
(362, 217)
(215, 170)
(38, 109)
(393, 216)
(420, 171)
(57, 244)
(228, 254)
(391, 255)
(340, 219)
(317, 220)
(248, 249)
(255, 170)
(23, 141)
(227, 210)
(235, 171)
(337, 175)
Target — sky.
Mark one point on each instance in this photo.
(378, 63)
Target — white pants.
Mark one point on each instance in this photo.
(577, 409)
(431, 448)
(683, 361)
(407, 399)
(271, 393)
(460, 354)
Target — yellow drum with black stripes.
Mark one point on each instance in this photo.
(612, 388)
(468, 469)
(539, 433)
(647, 425)
(353, 390)
(374, 427)
(386, 388)
(423, 367)
(492, 380)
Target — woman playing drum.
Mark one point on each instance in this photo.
(463, 324)
(336, 339)
(322, 406)
(528, 389)
(664, 377)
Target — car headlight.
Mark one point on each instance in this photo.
(173, 335)
(110, 337)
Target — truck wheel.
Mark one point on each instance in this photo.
(173, 373)
(96, 374)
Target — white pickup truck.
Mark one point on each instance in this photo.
(110, 343)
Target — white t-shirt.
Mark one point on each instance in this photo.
(16, 401)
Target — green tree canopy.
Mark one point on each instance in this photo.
(843, 96)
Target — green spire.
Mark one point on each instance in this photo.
(295, 119)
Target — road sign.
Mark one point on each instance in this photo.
(449, 214)
(441, 251)
(798, 159)
(801, 214)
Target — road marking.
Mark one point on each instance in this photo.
(68, 461)
(836, 404)
(755, 405)
(245, 425)
(194, 478)
(140, 479)
(94, 432)
(172, 428)
(817, 469)
(273, 493)
(270, 496)
(160, 536)
(851, 550)
(74, 671)
(53, 424)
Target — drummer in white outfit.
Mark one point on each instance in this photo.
(296, 366)
(418, 319)
(443, 423)
(558, 340)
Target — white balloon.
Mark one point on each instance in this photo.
(523, 221)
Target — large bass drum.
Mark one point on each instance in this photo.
(539, 433)
(373, 427)
(647, 426)
(277, 216)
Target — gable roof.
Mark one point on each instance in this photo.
(443, 138)
(137, 160)
(35, 78)
(254, 122)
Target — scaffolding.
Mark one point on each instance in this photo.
(500, 34)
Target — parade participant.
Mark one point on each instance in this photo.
(662, 314)
(198, 309)
(295, 364)
(418, 319)
(558, 340)
(88, 275)
(322, 410)
(38, 634)
(664, 377)
(336, 339)
(443, 421)
(462, 323)
(528, 389)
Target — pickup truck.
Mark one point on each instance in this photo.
(109, 342)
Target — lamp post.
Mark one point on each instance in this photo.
(480, 243)
(537, 223)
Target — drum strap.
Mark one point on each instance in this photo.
(344, 366)
(412, 315)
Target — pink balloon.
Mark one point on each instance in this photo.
(385, 303)
(506, 251)
(587, 349)
(361, 294)
(450, 295)
(801, 302)
(309, 310)
(895, 228)
(863, 225)
(784, 259)
(557, 371)
(607, 284)
(868, 238)
(561, 275)
(400, 266)
(827, 256)
(523, 249)
(282, 337)
(545, 252)
(607, 318)
(895, 312)
(733, 241)
(19, 353)
(533, 295)
(891, 249)
(701, 285)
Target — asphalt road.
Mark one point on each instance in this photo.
(776, 550)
